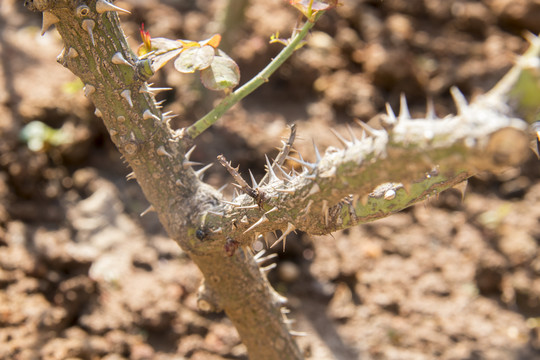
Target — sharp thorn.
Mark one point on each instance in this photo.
(147, 115)
(89, 25)
(462, 188)
(131, 176)
(89, 90)
(254, 184)
(148, 209)
(286, 191)
(186, 163)
(49, 19)
(297, 333)
(391, 116)
(126, 94)
(119, 59)
(287, 176)
(254, 206)
(262, 220)
(218, 214)
(189, 152)
(344, 141)
(270, 170)
(317, 153)
(430, 110)
(403, 108)
(459, 100)
(368, 129)
(283, 237)
(72, 53)
(354, 140)
(162, 152)
(259, 255)
(301, 162)
(267, 268)
(103, 6)
(201, 171)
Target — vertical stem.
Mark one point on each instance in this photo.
(94, 48)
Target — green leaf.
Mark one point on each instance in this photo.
(223, 74)
(195, 58)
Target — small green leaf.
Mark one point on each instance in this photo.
(223, 74)
(195, 58)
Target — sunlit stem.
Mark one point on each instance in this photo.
(209, 119)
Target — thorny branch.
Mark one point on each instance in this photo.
(371, 176)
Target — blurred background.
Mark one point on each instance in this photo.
(83, 276)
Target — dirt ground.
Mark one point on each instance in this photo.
(83, 276)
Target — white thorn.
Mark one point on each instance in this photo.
(187, 163)
(119, 59)
(286, 191)
(131, 176)
(287, 176)
(218, 214)
(273, 176)
(72, 53)
(283, 237)
(351, 133)
(89, 90)
(89, 25)
(317, 154)
(147, 115)
(126, 94)
(260, 259)
(430, 110)
(98, 113)
(150, 90)
(179, 183)
(369, 130)
(390, 114)
(162, 152)
(49, 19)
(167, 116)
(201, 171)
(254, 206)
(297, 333)
(403, 108)
(262, 220)
(271, 210)
(302, 162)
(189, 152)
(103, 6)
(148, 209)
(267, 268)
(459, 100)
(254, 184)
(344, 141)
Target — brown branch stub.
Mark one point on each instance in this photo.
(254, 193)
